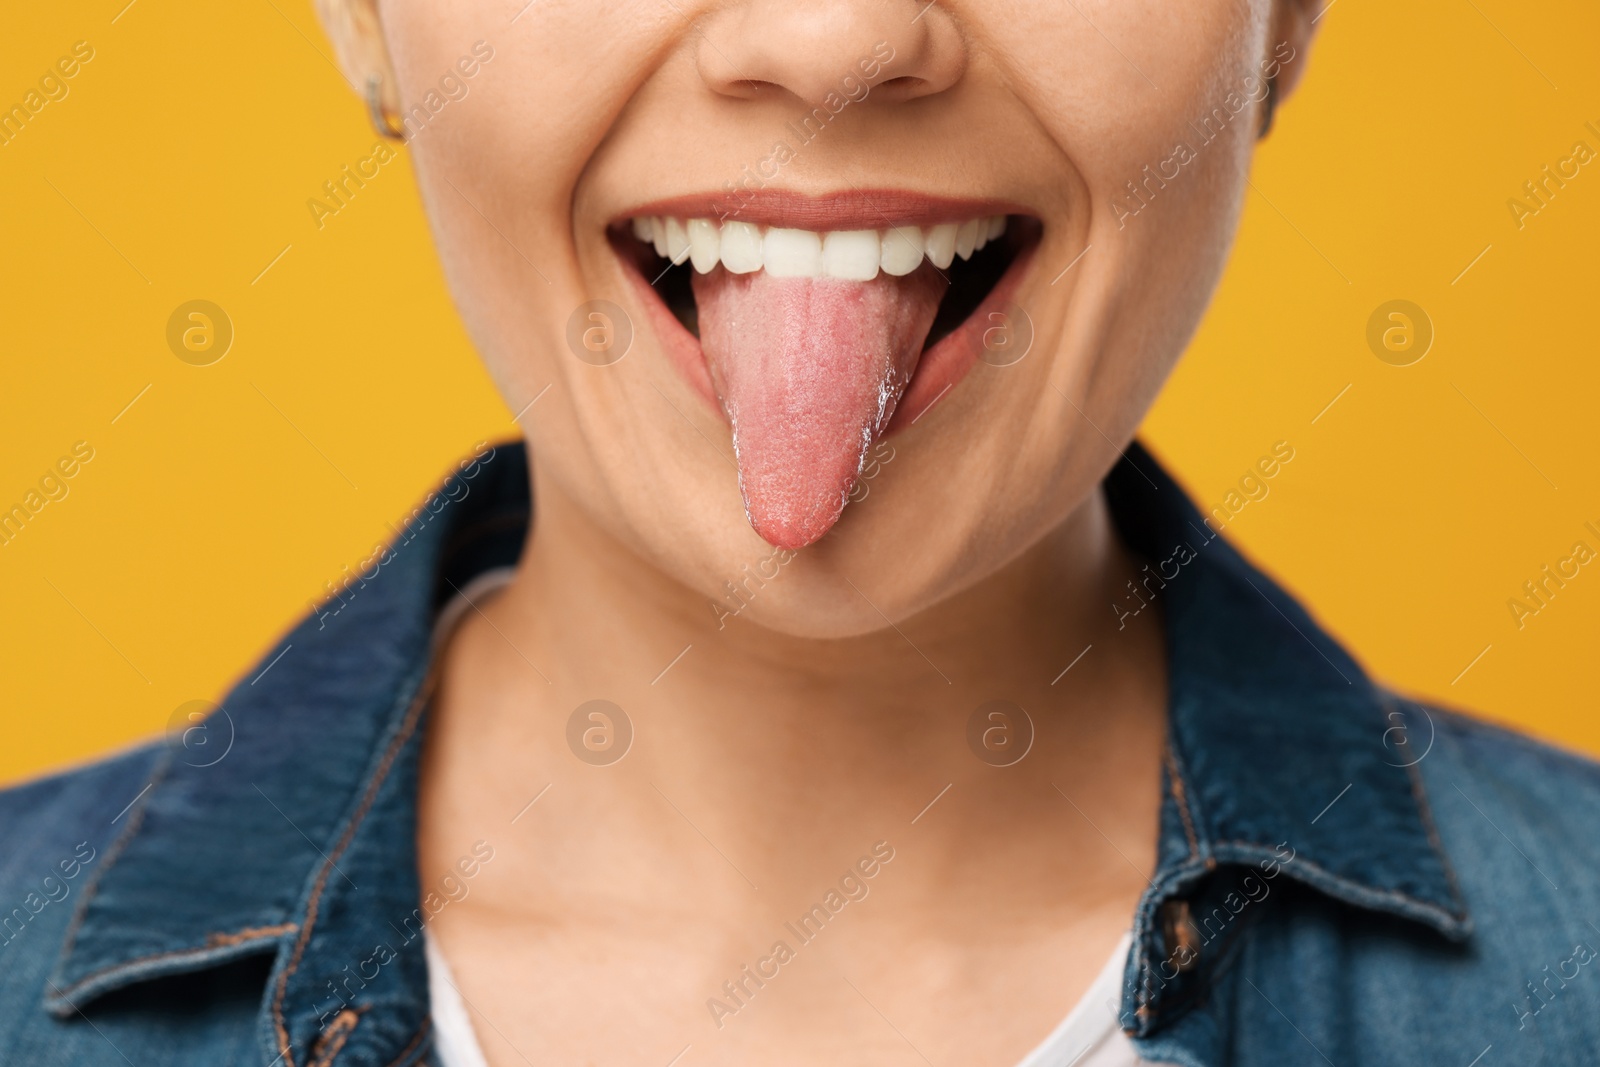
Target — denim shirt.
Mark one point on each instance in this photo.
(1343, 876)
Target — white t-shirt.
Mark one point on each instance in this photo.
(1087, 1037)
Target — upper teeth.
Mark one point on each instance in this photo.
(854, 255)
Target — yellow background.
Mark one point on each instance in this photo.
(215, 507)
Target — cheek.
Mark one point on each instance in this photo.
(1164, 178)
(497, 169)
(1116, 110)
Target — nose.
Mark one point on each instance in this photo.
(810, 48)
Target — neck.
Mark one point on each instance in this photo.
(742, 729)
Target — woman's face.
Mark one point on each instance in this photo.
(957, 409)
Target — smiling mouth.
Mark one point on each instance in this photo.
(816, 332)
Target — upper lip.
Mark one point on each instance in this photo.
(855, 209)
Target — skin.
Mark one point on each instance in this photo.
(833, 707)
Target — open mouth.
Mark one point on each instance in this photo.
(816, 332)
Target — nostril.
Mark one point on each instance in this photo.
(904, 87)
(753, 88)
(745, 48)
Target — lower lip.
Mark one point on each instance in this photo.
(939, 369)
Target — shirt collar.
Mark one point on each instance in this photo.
(1283, 759)
(1279, 747)
(307, 824)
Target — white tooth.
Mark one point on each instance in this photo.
(941, 244)
(741, 247)
(967, 238)
(983, 235)
(901, 250)
(792, 253)
(997, 226)
(658, 236)
(641, 227)
(705, 244)
(677, 241)
(851, 255)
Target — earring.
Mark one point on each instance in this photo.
(384, 120)
(1269, 104)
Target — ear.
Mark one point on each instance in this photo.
(357, 35)
(1293, 27)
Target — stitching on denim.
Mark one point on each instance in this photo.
(1228, 952)
(213, 941)
(1142, 922)
(1172, 887)
(1147, 993)
(113, 853)
(1141, 930)
(331, 1042)
(1346, 883)
(1425, 809)
(1181, 795)
(249, 933)
(407, 728)
(410, 1050)
(65, 995)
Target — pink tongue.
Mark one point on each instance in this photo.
(809, 371)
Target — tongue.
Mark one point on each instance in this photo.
(809, 370)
